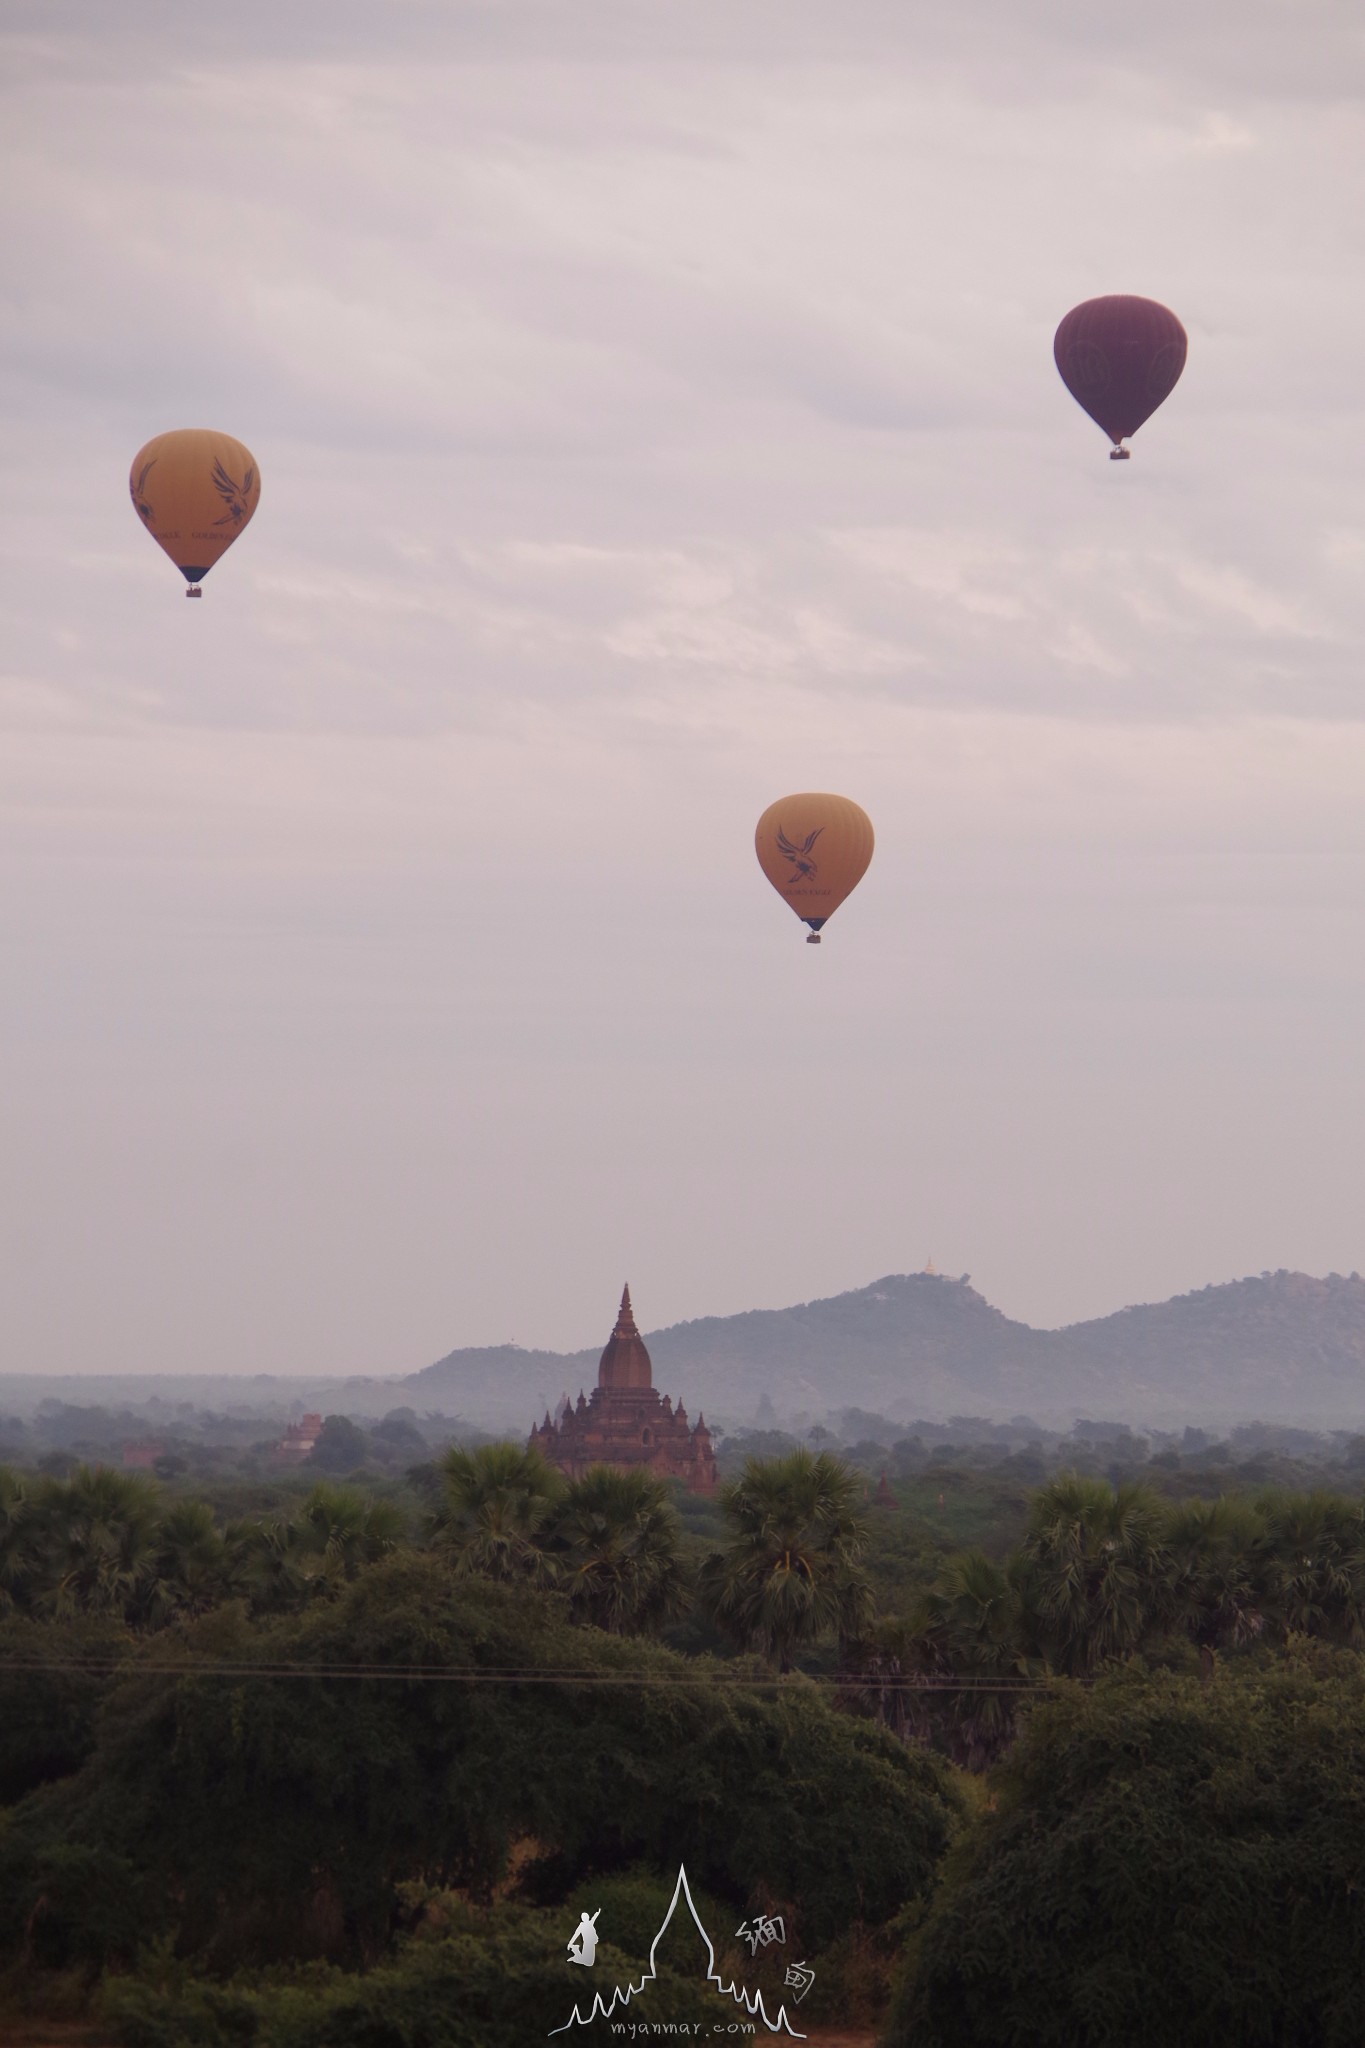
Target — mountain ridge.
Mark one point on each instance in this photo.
(1281, 1346)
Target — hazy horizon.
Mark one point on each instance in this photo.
(656, 413)
(569, 1348)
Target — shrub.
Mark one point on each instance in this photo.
(497, 1982)
(275, 1817)
(1171, 1862)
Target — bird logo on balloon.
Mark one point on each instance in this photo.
(233, 495)
(804, 868)
(139, 490)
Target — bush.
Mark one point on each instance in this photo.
(74, 1905)
(275, 1818)
(47, 1717)
(497, 1981)
(1170, 1862)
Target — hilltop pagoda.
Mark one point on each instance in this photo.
(627, 1424)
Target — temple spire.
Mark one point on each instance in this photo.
(625, 1362)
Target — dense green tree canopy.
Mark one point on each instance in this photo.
(259, 1741)
(253, 1815)
(1171, 1862)
(1107, 1571)
(342, 1445)
(50, 1695)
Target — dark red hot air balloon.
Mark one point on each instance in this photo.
(1119, 357)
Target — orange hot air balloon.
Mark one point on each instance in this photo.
(814, 849)
(194, 491)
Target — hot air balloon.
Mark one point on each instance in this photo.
(194, 491)
(1119, 357)
(814, 849)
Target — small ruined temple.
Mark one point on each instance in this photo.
(626, 1423)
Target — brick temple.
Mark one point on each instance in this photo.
(626, 1424)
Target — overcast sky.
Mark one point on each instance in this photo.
(656, 413)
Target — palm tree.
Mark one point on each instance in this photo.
(17, 1531)
(496, 1509)
(1318, 1546)
(98, 1532)
(190, 1565)
(791, 1570)
(977, 1623)
(1100, 1569)
(1221, 1573)
(266, 1565)
(340, 1531)
(618, 1543)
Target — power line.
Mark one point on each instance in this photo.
(425, 1674)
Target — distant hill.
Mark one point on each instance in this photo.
(1285, 1347)
(905, 1338)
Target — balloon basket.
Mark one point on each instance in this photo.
(1120, 454)
(812, 938)
(194, 591)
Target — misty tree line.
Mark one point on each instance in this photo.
(610, 1544)
(1106, 1573)
(1103, 1571)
